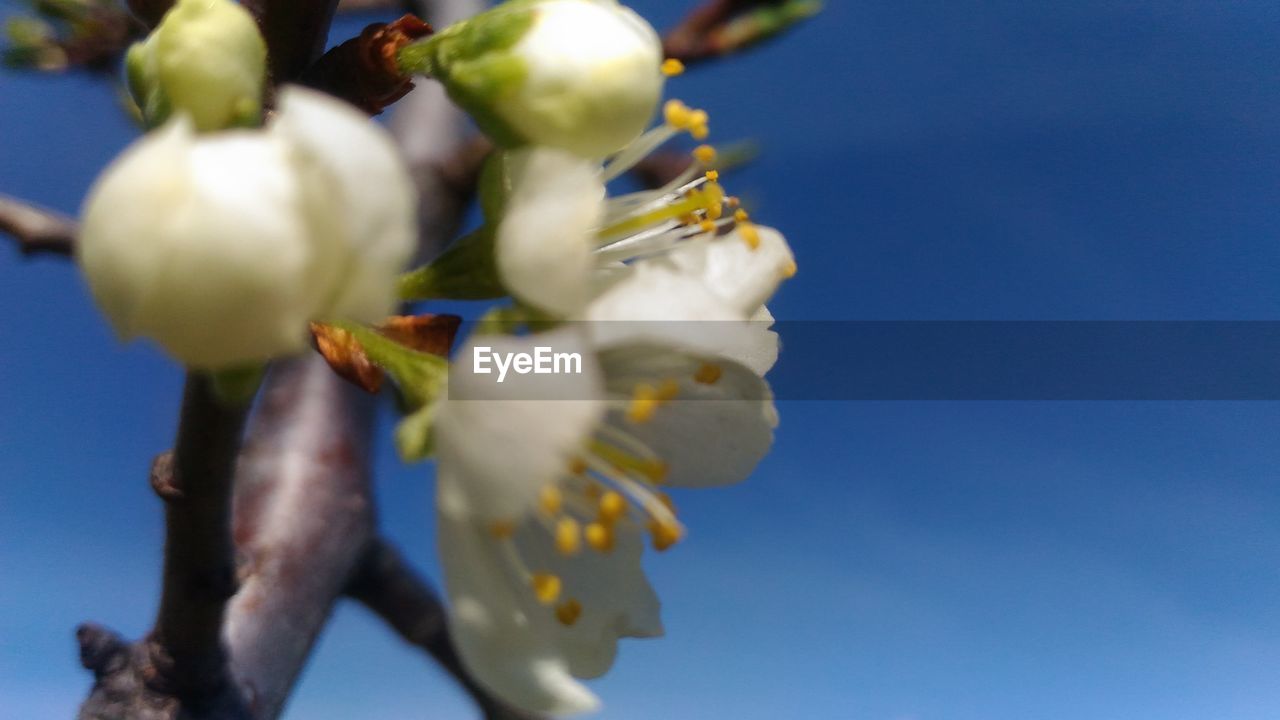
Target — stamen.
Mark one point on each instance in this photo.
(637, 151)
(672, 67)
(708, 374)
(644, 404)
(599, 537)
(664, 534)
(705, 154)
(789, 270)
(551, 500)
(546, 587)
(713, 175)
(750, 235)
(568, 536)
(568, 612)
(612, 506)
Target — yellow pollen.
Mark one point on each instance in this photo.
(546, 587)
(700, 132)
(664, 534)
(672, 67)
(713, 175)
(599, 537)
(708, 374)
(644, 403)
(741, 215)
(676, 114)
(704, 154)
(612, 506)
(750, 235)
(707, 226)
(568, 536)
(502, 529)
(789, 270)
(569, 611)
(715, 211)
(551, 500)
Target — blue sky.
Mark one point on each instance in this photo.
(890, 560)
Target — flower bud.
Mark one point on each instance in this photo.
(222, 247)
(580, 75)
(206, 58)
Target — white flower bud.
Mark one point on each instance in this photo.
(222, 247)
(580, 75)
(206, 58)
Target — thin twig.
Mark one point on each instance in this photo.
(180, 668)
(391, 589)
(36, 229)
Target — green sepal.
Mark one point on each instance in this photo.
(236, 386)
(418, 375)
(468, 270)
(470, 59)
(414, 438)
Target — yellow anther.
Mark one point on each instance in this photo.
(578, 466)
(733, 202)
(698, 117)
(551, 500)
(789, 270)
(750, 235)
(704, 154)
(502, 529)
(644, 403)
(672, 67)
(707, 226)
(714, 212)
(664, 534)
(546, 587)
(569, 611)
(697, 126)
(568, 536)
(676, 114)
(741, 215)
(708, 374)
(656, 471)
(713, 175)
(599, 536)
(611, 507)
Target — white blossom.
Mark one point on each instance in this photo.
(221, 247)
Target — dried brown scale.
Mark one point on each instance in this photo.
(363, 70)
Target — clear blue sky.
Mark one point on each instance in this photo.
(1012, 159)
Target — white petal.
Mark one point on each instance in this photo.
(506, 640)
(507, 448)
(616, 597)
(732, 269)
(198, 245)
(714, 433)
(359, 196)
(593, 78)
(545, 237)
(659, 304)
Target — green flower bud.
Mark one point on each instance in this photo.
(579, 75)
(206, 59)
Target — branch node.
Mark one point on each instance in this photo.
(102, 651)
(163, 480)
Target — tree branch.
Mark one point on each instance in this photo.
(36, 229)
(303, 514)
(180, 668)
(386, 585)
